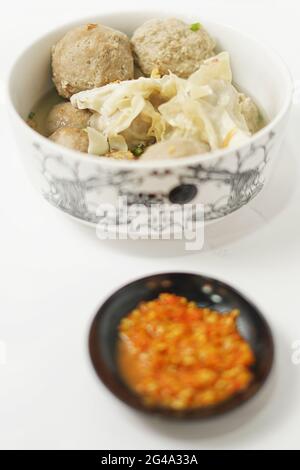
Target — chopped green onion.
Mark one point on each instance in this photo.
(31, 115)
(195, 26)
(138, 150)
(260, 118)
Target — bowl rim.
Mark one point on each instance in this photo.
(232, 404)
(151, 165)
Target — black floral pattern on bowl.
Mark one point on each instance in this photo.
(237, 183)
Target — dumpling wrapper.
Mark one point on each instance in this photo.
(98, 144)
(205, 107)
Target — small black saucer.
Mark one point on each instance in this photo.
(206, 292)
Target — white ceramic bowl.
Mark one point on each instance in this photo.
(222, 181)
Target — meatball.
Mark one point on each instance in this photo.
(90, 56)
(71, 137)
(65, 115)
(171, 45)
(137, 72)
(251, 113)
(174, 148)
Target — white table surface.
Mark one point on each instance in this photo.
(54, 273)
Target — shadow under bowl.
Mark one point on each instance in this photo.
(206, 292)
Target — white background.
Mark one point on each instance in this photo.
(54, 273)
